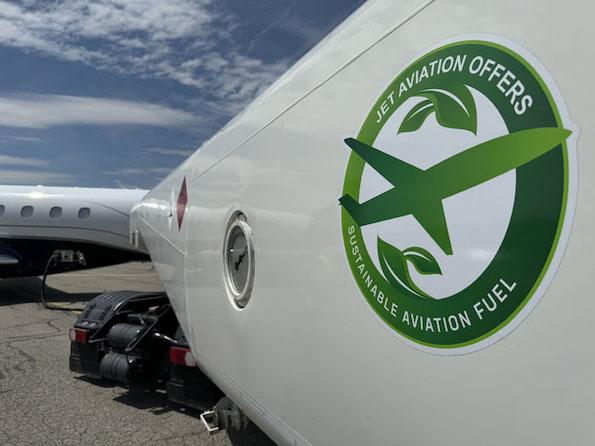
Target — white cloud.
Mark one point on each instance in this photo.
(8, 160)
(26, 138)
(43, 111)
(34, 177)
(169, 152)
(183, 40)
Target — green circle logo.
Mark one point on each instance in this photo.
(458, 195)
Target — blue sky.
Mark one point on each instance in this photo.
(116, 93)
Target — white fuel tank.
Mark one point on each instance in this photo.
(417, 210)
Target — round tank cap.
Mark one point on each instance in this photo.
(238, 259)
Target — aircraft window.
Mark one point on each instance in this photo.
(2, 209)
(27, 211)
(84, 213)
(56, 212)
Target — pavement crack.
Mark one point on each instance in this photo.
(50, 323)
(26, 364)
(28, 338)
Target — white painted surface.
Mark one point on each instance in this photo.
(306, 359)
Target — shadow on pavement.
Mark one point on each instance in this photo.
(28, 290)
(152, 400)
(155, 401)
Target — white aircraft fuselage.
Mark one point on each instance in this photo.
(36, 220)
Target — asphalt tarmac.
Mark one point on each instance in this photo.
(43, 403)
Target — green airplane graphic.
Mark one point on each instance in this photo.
(419, 192)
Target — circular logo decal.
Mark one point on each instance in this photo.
(458, 195)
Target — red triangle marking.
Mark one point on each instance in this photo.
(182, 203)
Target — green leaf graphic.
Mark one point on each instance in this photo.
(462, 93)
(395, 269)
(453, 104)
(416, 116)
(424, 262)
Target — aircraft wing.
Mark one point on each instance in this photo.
(375, 209)
(391, 168)
(492, 158)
